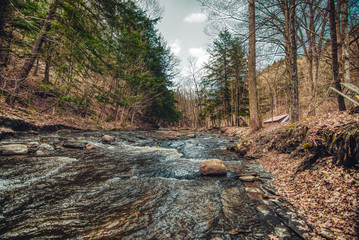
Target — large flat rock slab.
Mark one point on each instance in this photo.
(13, 149)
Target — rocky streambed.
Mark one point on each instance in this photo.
(143, 185)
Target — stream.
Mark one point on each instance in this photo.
(140, 187)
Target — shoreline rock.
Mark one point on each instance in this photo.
(213, 167)
(13, 149)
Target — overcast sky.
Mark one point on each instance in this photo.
(182, 27)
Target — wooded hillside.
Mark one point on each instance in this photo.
(297, 50)
(102, 60)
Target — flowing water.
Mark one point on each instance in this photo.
(138, 188)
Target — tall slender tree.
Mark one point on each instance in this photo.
(255, 122)
(345, 39)
(335, 64)
(291, 56)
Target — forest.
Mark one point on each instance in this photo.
(70, 65)
(102, 60)
(300, 50)
(107, 62)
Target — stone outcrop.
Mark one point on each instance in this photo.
(13, 149)
(213, 167)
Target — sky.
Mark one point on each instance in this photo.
(182, 27)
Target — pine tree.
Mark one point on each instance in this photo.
(224, 82)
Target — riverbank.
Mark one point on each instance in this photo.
(315, 164)
(17, 120)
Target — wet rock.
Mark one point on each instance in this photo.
(5, 132)
(45, 147)
(33, 145)
(242, 146)
(13, 149)
(108, 139)
(40, 149)
(263, 209)
(169, 135)
(239, 231)
(40, 153)
(191, 135)
(282, 232)
(242, 150)
(213, 167)
(74, 144)
(248, 178)
(90, 146)
(254, 190)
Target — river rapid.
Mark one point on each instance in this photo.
(140, 187)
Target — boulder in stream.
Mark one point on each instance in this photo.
(74, 144)
(42, 149)
(213, 167)
(242, 146)
(90, 146)
(13, 149)
(33, 145)
(45, 147)
(108, 139)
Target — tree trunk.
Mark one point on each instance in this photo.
(345, 41)
(255, 122)
(311, 112)
(47, 70)
(335, 64)
(36, 67)
(291, 58)
(26, 68)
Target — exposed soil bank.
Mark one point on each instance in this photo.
(18, 120)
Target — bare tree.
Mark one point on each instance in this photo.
(345, 40)
(312, 25)
(291, 56)
(255, 122)
(335, 64)
(152, 8)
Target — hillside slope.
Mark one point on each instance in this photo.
(316, 168)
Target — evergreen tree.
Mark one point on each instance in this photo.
(97, 52)
(224, 84)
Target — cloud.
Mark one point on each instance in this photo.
(175, 46)
(199, 53)
(195, 18)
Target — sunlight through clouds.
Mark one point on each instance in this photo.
(175, 46)
(200, 54)
(195, 18)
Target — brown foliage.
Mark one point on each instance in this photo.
(310, 161)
